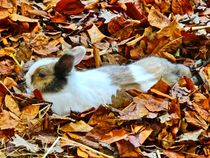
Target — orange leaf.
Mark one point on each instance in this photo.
(157, 19)
(30, 112)
(114, 136)
(69, 7)
(79, 126)
(6, 121)
(173, 154)
(181, 7)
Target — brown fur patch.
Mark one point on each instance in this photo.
(121, 76)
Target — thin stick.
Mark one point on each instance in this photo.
(196, 28)
(51, 147)
(86, 147)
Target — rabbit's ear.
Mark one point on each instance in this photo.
(79, 53)
(64, 65)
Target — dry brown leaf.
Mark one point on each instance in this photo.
(69, 7)
(181, 7)
(4, 13)
(196, 120)
(140, 138)
(95, 34)
(17, 17)
(114, 136)
(6, 121)
(30, 112)
(126, 149)
(79, 126)
(205, 75)
(12, 105)
(166, 138)
(124, 33)
(173, 154)
(171, 47)
(172, 31)
(157, 19)
(153, 104)
(9, 82)
(134, 111)
(85, 153)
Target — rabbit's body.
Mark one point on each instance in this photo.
(74, 90)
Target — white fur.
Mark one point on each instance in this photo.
(145, 79)
(84, 90)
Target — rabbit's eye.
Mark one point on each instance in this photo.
(42, 75)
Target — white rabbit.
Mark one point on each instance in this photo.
(72, 90)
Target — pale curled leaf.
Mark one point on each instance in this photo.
(19, 141)
(190, 136)
(95, 34)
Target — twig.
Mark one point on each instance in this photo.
(196, 28)
(51, 147)
(86, 147)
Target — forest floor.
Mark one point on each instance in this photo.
(164, 122)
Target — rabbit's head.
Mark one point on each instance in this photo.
(50, 74)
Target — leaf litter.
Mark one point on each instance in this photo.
(165, 122)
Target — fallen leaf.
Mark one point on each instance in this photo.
(69, 7)
(195, 119)
(79, 126)
(12, 105)
(181, 7)
(189, 136)
(114, 136)
(153, 104)
(134, 12)
(17, 17)
(134, 111)
(30, 112)
(6, 121)
(173, 154)
(157, 19)
(20, 142)
(95, 34)
(126, 149)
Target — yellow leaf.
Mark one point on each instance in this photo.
(11, 104)
(80, 126)
(30, 112)
(16, 17)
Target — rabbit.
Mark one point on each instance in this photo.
(72, 90)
